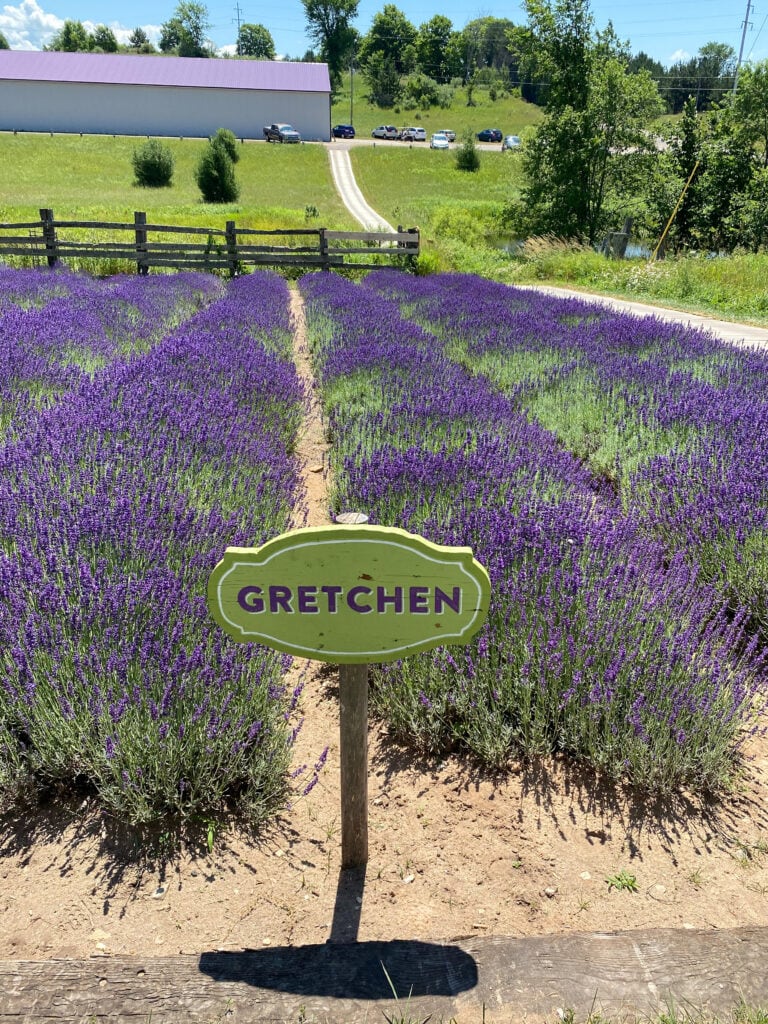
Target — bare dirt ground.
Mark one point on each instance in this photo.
(452, 853)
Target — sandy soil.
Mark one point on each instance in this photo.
(452, 853)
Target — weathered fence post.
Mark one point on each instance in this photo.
(142, 259)
(49, 237)
(324, 260)
(230, 232)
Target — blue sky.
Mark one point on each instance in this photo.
(665, 29)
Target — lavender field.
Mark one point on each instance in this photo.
(147, 423)
(610, 473)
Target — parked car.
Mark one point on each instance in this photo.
(281, 133)
(343, 131)
(439, 141)
(489, 135)
(510, 142)
(386, 131)
(414, 134)
(448, 133)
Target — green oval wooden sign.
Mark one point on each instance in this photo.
(350, 594)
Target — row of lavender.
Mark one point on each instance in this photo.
(115, 503)
(58, 329)
(675, 418)
(598, 644)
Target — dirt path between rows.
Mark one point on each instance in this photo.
(453, 853)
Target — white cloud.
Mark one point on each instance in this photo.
(679, 57)
(29, 27)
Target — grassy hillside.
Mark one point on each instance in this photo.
(509, 113)
(91, 178)
(415, 185)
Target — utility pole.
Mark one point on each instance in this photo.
(741, 48)
(238, 13)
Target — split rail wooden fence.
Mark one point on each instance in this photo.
(192, 248)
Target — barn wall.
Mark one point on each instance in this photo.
(157, 110)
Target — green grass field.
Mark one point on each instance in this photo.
(91, 178)
(509, 113)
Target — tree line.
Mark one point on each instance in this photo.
(401, 60)
(601, 155)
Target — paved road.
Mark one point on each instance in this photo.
(738, 334)
(353, 198)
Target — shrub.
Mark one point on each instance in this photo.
(467, 157)
(153, 165)
(226, 138)
(215, 175)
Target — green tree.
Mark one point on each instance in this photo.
(184, 33)
(140, 42)
(104, 39)
(384, 82)
(557, 47)
(138, 38)
(433, 47)
(329, 24)
(4, 45)
(153, 165)
(686, 152)
(748, 216)
(750, 105)
(467, 157)
(255, 41)
(227, 139)
(728, 165)
(420, 91)
(586, 161)
(71, 38)
(391, 37)
(215, 174)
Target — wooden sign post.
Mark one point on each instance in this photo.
(351, 595)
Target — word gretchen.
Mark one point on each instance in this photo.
(309, 600)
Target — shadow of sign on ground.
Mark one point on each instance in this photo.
(399, 968)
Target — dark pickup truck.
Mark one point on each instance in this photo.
(281, 133)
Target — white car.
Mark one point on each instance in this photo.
(414, 135)
(439, 141)
(386, 131)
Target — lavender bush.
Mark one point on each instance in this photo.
(598, 644)
(672, 417)
(115, 504)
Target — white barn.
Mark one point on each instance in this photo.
(132, 94)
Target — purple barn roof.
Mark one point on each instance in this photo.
(134, 69)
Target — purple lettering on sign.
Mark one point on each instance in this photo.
(352, 599)
(453, 602)
(280, 598)
(395, 600)
(332, 593)
(308, 600)
(249, 600)
(418, 603)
